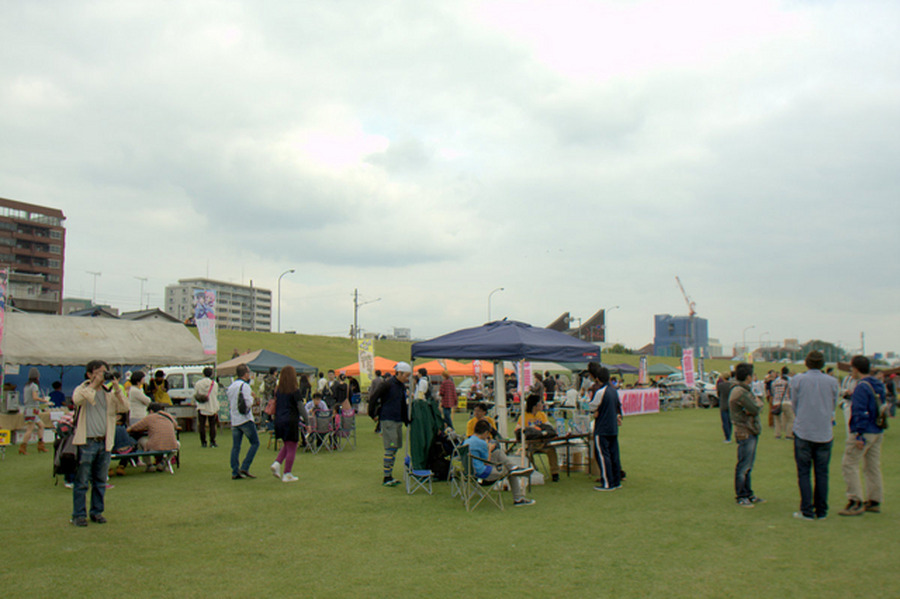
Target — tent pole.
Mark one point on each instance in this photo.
(500, 398)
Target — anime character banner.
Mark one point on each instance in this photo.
(205, 318)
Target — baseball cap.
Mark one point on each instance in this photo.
(402, 367)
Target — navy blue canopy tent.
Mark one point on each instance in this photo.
(507, 340)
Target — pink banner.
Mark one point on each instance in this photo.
(639, 401)
(687, 367)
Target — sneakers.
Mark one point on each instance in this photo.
(246, 474)
(213, 444)
(390, 482)
(120, 470)
(602, 488)
(79, 521)
(98, 519)
(523, 502)
(755, 499)
(69, 485)
(872, 506)
(520, 471)
(854, 508)
(289, 478)
(745, 502)
(276, 469)
(802, 516)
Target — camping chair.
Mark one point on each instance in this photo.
(345, 434)
(474, 489)
(321, 432)
(416, 479)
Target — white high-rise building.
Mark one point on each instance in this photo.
(239, 307)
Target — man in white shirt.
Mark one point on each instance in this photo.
(240, 400)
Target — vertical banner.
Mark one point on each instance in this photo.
(701, 371)
(527, 378)
(366, 354)
(643, 378)
(687, 366)
(205, 318)
(4, 279)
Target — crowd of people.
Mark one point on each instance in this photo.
(802, 409)
(110, 417)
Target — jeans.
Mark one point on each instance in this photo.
(726, 423)
(812, 456)
(93, 467)
(448, 416)
(746, 453)
(248, 429)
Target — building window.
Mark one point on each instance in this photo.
(55, 249)
(55, 234)
(53, 263)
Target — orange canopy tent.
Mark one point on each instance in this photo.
(487, 369)
(452, 366)
(385, 365)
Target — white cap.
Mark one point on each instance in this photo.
(402, 367)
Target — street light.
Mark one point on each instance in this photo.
(279, 295)
(605, 327)
(489, 300)
(761, 345)
(744, 338)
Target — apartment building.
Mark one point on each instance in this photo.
(238, 307)
(32, 247)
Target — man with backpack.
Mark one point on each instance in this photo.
(867, 424)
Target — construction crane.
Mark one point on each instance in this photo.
(692, 307)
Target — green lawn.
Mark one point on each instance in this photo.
(672, 531)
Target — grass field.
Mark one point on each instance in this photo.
(672, 531)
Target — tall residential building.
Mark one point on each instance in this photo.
(32, 247)
(238, 307)
(675, 333)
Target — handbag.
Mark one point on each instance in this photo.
(270, 407)
(242, 406)
(204, 398)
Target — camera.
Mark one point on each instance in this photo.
(110, 375)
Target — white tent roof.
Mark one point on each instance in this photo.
(71, 340)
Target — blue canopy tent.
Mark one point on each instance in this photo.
(506, 340)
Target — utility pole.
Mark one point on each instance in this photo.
(356, 307)
(141, 296)
(95, 275)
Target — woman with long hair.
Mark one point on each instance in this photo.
(289, 409)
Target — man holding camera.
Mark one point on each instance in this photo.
(97, 400)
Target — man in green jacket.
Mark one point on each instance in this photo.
(744, 409)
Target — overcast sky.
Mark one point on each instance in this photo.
(578, 154)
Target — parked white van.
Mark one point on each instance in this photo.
(181, 381)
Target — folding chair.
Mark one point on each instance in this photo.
(321, 432)
(416, 479)
(474, 489)
(345, 434)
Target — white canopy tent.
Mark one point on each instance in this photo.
(43, 339)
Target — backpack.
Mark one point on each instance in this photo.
(65, 452)
(881, 418)
(376, 394)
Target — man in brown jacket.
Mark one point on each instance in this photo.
(744, 409)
